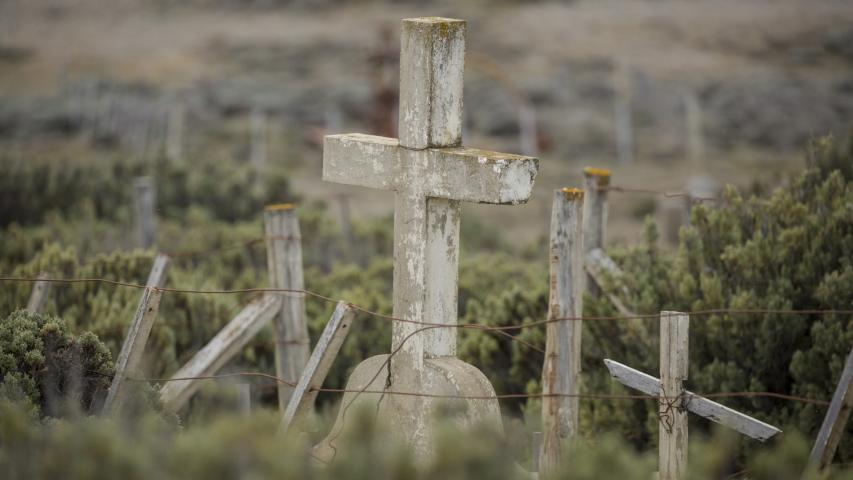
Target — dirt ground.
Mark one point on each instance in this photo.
(768, 73)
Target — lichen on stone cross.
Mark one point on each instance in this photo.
(430, 174)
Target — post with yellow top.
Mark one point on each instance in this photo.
(561, 371)
(596, 182)
(284, 263)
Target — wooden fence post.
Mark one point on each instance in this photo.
(144, 201)
(694, 124)
(284, 263)
(130, 356)
(596, 183)
(623, 114)
(222, 348)
(244, 397)
(672, 463)
(175, 131)
(561, 371)
(528, 131)
(39, 294)
(258, 146)
(328, 346)
(535, 448)
(835, 420)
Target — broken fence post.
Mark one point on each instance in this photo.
(39, 294)
(596, 183)
(327, 348)
(223, 347)
(143, 202)
(561, 371)
(284, 264)
(130, 357)
(672, 447)
(835, 420)
(598, 266)
(244, 397)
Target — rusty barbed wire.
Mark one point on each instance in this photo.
(473, 326)
(664, 193)
(506, 396)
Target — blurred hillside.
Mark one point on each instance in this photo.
(80, 79)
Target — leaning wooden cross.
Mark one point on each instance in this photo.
(430, 174)
(675, 402)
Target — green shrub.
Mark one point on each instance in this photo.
(51, 369)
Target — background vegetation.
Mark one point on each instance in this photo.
(788, 248)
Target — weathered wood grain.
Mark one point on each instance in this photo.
(143, 202)
(672, 461)
(561, 369)
(218, 351)
(596, 181)
(694, 403)
(284, 264)
(130, 356)
(328, 346)
(599, 267)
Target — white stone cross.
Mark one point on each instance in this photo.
(430, 174)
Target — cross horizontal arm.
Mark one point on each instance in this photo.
(362, 160)
(481, 176)
(699, 405)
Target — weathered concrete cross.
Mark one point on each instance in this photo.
(430, 174)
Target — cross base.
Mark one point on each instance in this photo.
(411, 417)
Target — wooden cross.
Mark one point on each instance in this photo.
(430, 174)
(675, 402)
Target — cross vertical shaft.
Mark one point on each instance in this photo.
(426, 230)
(673, 418)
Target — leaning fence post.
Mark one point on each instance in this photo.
(39, 294)
(284, 263)
(561, 371)
(596, 183)
(325, 352)
(672, 460)
(835, 420)
(130, 356)
(226, 344)
(143, 202)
